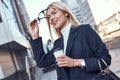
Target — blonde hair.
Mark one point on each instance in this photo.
(63, 7)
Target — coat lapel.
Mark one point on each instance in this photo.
(72, 36)
(60, 43)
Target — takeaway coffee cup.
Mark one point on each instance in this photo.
(58, 52)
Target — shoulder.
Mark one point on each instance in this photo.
(84, 28)
(87, 30)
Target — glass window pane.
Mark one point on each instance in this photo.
(0, 19)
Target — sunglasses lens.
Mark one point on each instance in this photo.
(42, 15)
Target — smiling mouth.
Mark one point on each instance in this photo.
(55, 22)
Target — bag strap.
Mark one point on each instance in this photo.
(104, 63)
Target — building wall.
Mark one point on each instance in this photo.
(11, 59)
(20, 55)
(109, 28)
(21, 14)
(6, 63)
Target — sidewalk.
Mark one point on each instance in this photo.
(115, 64)
(20, 75)
(114, 49)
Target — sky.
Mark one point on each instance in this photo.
(33, 8)
(102, 9)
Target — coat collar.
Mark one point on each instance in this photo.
(72, 37)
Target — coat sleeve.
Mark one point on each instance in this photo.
(42, 59)
(98, 48)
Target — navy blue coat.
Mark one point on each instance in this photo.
(83, 43)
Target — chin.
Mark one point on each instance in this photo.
(56, 27)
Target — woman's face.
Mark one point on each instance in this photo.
(57, 18)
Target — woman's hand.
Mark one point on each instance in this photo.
(34, 29)
(65, 61)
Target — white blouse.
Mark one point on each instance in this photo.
(65, 32)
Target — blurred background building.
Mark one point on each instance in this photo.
(108, 20)
(82, 11)
(110, 27)
(14, 46)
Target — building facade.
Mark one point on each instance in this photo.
(14, 46)
(82, 11)
(109, 28)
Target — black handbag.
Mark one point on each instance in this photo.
(105, 74)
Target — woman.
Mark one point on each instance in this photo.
(81, 44)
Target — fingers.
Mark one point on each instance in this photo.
(33, 24)
(61, 57)
(62, 61)
(34, 29)
(65, 61)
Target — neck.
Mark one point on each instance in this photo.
(59, 30)
(67, 22)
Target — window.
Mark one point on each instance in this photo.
(4, 4)
(0, 19)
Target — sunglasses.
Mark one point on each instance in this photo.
(42, 15)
